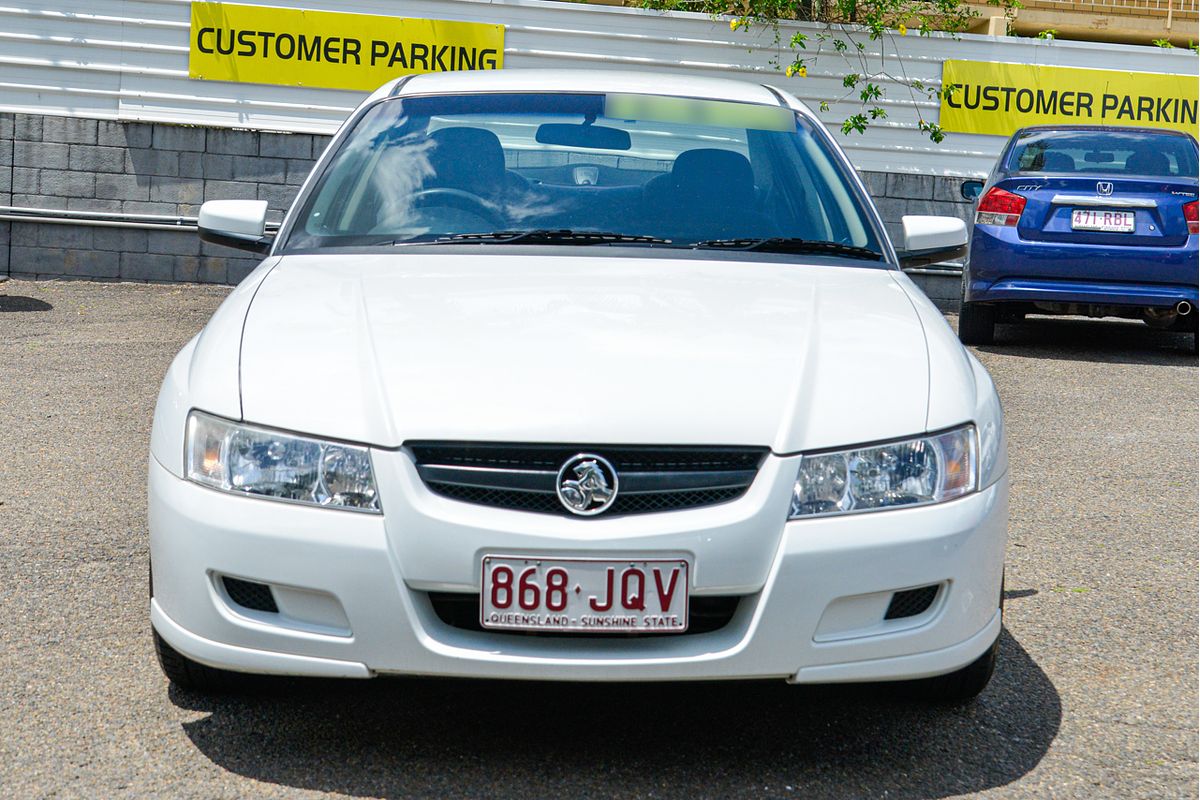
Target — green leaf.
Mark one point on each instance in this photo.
(856, 123)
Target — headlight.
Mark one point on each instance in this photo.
(245, 459)
(927, 469)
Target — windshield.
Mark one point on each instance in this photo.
(644, 170)
(1109, 152)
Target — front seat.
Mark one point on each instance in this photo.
(472, 160)
(710, 194)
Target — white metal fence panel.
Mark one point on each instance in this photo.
(127, 59)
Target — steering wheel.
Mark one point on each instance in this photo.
(462, 200)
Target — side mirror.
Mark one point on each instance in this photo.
(928, 240)
(971, 190)
(236, 223)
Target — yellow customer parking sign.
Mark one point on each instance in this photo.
(1000, 98)
(291, 47)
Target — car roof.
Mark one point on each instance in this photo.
(1098, 128)
(578, 80)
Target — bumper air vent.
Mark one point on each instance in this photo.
(251, 595)
(911, 602)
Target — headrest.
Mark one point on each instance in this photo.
(1057, 162)
(709, 173)
(470, 159)
(1148, 162)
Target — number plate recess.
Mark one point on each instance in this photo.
(584, 595)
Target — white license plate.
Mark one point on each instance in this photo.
(1089, 219)
(526, 593)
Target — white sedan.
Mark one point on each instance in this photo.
(588, 376)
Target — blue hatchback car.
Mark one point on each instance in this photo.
(1085, 220)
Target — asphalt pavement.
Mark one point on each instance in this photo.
(1095, 695)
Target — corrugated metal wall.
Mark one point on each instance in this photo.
(127, 59)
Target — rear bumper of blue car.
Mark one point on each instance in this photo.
(1032, 290)
(1005, 268)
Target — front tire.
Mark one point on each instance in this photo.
(185, 673)
(976, 324)
(960, 686)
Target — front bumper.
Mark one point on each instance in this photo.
(352, 588)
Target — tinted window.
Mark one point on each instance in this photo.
(419, 169)
(1104, 152)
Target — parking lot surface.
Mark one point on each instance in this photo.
(1095, 695)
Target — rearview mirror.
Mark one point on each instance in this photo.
(928, 240)
(594, 137)
(971, 190)
(236, 223)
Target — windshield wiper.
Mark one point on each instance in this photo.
(546, 236)
(790, 245)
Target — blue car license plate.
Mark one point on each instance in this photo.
(1090, 219)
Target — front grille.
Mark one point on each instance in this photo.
(911, 602)
(251, 595)
(705, 615)
(650, 479)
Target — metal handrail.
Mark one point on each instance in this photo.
(107, 219)
(1165, 6)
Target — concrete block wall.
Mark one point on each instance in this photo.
(134, 168)
(899, 194)
(76, 164)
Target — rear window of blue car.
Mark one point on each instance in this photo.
(1109, 152)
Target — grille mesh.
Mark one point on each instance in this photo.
(672, 501)
(251, 595)
(911, 602)
(705, 615)
(546, 503)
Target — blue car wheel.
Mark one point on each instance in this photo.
(977, 323)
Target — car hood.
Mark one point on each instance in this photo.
(384, 349)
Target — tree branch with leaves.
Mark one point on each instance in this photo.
(853, 34)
